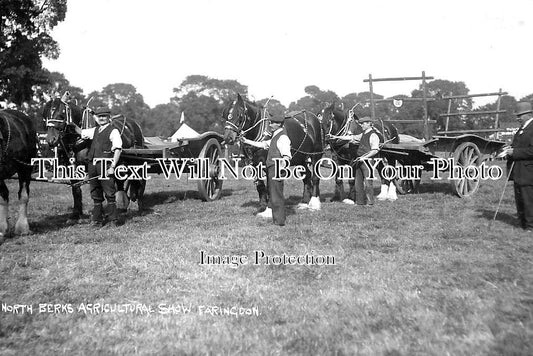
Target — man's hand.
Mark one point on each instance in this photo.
(111, 170)
(506, 151)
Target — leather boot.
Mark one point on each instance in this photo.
(97, 217)
(112, 214)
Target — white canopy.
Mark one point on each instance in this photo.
(184, 132)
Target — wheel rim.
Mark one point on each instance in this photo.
(210, 188)
(466, 156)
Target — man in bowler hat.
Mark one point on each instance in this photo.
(521, 153)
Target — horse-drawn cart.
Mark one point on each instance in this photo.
(201, 155)
(466, 148)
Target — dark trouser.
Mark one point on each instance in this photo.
(101, 188)
(276, 199)
(364, 188)
(523, 195)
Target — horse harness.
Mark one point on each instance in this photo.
(5, 148)
(305, 129)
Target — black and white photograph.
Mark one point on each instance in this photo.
(266, 177)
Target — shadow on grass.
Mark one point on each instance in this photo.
(159, 198)
(502, 217)
(51, 223)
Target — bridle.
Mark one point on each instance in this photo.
(239, 129)
(60, 124)
(343, 130)
(51, 122)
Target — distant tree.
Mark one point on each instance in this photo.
(219, 90)
(315, 100)
(507, 103)
(55, 85)
(123, 98)
(202, 112)
(164, 120)
(24, 37)
(203, 99)
(527, 98)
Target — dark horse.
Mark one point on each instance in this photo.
(18, 145)
(258, 131)
(304, 131)
(337, 122)
(62, 116)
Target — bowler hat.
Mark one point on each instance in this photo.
(277, 119)
(365, 119)
(102, 112)
(522, 108)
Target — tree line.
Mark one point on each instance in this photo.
(26, 85)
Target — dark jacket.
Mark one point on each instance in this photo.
(101, 145)
(273, 151)
(522, 173)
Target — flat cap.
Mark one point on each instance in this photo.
(277, 119)
(102, 112)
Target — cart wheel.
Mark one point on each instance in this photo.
(466, 154)
(211, 188)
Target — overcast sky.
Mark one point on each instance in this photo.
(278, 47)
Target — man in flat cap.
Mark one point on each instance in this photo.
(279, 147)
(368, 148)
(520, 158)
(106, 143)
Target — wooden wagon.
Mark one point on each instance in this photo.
(200, 153)
(466, 147)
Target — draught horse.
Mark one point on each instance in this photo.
(62, 116)
(307, 142)
(337, 122)
(18, 145)
(258, 131)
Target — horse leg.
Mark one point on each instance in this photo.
(350, 198)
(262, 191)
(136, 189)
(77, 211)
(4, 199)
(21, 226)
(121, 195)
(307, 193)
(338, 194)
(314, 202)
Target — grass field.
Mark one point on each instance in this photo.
(420, 276)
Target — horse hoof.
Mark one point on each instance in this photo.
(348, 201)
(314, 203)
(267, 214)
(303, 206)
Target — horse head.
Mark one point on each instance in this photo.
(240, 118)
(60, 117)
(336, 122)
